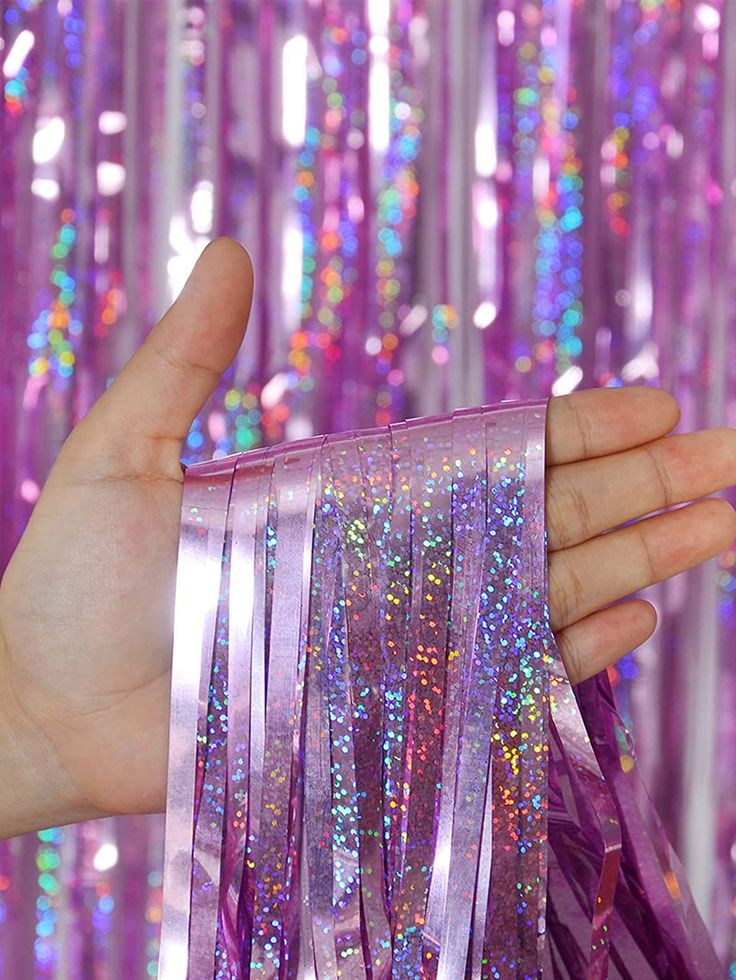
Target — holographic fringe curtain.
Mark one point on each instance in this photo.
(447, 202)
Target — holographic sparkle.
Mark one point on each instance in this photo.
(417, 788)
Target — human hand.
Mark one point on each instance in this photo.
(610, 461)
(87, 600)
(86, 604)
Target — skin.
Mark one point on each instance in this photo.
(86, 603)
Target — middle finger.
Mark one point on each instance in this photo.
(589, 497)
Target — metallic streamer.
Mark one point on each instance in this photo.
(501, 764)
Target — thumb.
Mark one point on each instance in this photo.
(138, 424)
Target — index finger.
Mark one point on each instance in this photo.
(599, 421)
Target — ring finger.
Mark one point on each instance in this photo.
(588, 576)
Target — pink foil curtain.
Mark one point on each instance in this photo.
(377, 765)
(447, 203)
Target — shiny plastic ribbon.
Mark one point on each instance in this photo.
(378, 765)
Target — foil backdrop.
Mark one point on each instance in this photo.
(378, 766)
(447, 203)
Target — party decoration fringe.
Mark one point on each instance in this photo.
(378, 765)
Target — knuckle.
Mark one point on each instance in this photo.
(554, 516)
(182, 365)
(567, 593)
(569, 517)
(584, 429)
(649, 561)
(728, 519)
(571, 654)
(660, 469)
(580, 511)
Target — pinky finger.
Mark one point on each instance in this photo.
(596, 642)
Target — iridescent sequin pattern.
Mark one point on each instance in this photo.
(378, 767)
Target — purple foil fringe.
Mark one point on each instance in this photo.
(378, 765)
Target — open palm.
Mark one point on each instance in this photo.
(86, 604)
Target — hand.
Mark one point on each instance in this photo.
(87, 601)
(86, 604)
(610, 461)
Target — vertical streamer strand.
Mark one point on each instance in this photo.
(274, 867)
(248, 501)
(203, 519)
